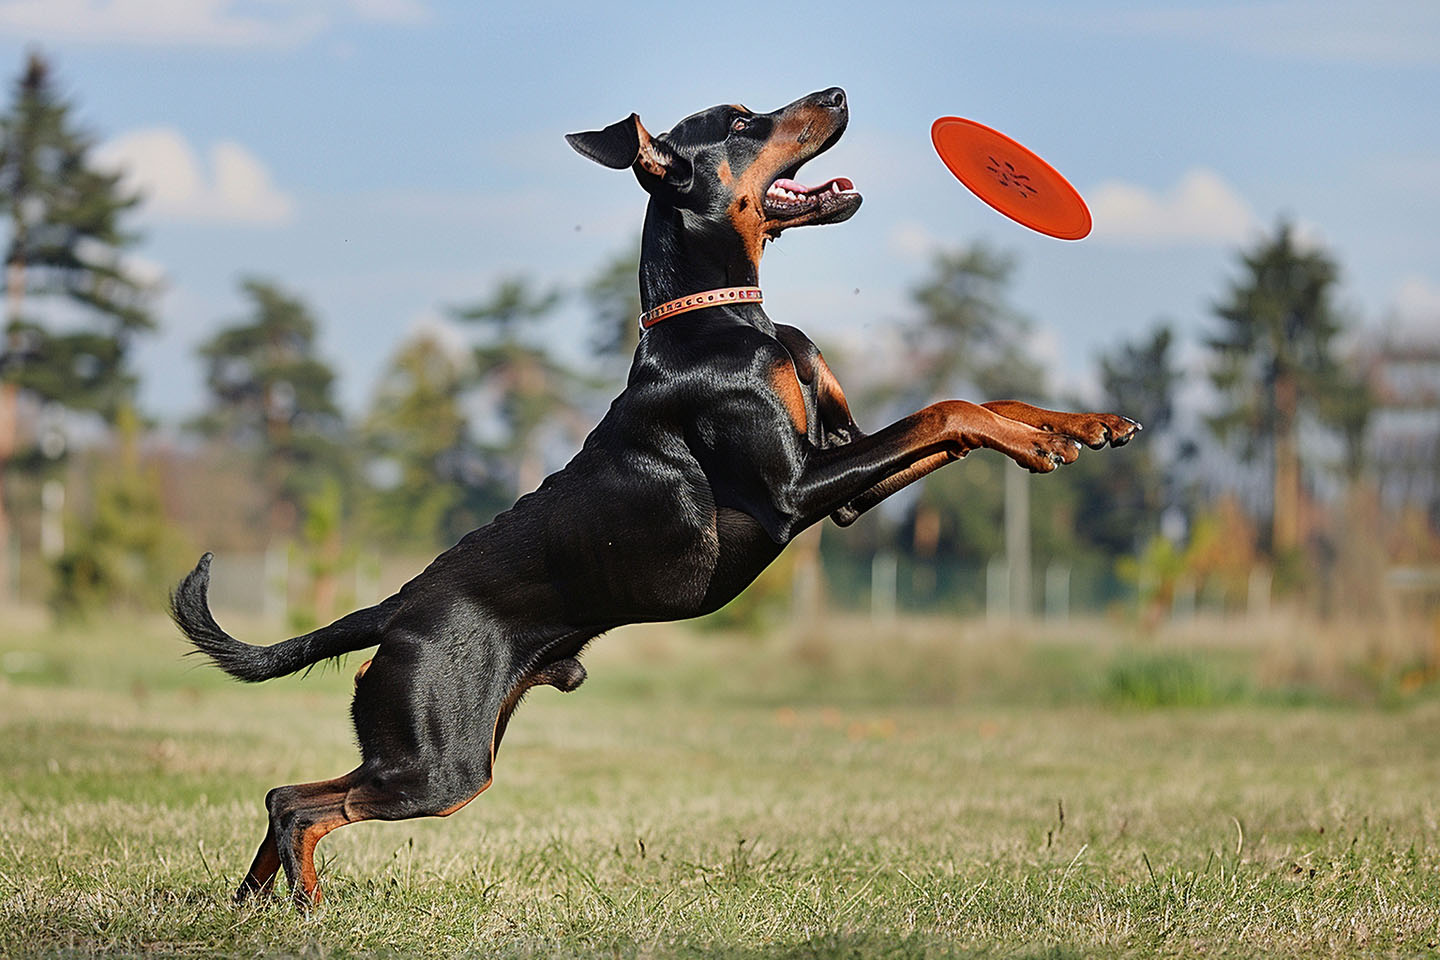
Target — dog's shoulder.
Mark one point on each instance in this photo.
(729, 356)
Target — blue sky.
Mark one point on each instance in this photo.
(387, 158)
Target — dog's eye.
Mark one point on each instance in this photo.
(739, 124)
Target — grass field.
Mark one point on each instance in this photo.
(941, 794)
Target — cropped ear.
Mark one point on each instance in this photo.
(616, 147)
(628, 144)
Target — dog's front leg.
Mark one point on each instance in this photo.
(1094, 430)
(851, 478)
(850, 512)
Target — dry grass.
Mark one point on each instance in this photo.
(941, 794)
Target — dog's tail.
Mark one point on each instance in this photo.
(191, 612)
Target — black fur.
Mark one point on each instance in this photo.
(617, 146)
(190, 610)
(731, 437)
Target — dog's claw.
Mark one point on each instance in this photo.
(1120, 439)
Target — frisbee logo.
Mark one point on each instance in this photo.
(1010, 177)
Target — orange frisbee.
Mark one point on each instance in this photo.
(1010, 178)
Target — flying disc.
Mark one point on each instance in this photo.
(1010, 178)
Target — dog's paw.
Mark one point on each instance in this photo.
(1120, 430)
(1047, 451)
(1095, 430)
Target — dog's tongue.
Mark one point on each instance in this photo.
(839, 184)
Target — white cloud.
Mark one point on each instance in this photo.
(1417, 304)
(234, 187)
(178, 22)
(211, 23)
(1201, 207)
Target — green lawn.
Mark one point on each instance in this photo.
(959, 795)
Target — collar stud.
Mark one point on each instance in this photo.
(698, 301)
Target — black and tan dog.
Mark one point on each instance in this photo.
(730, 438)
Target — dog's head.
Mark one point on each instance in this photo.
(730, 170)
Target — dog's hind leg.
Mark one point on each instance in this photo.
(428, 727)
(260, 880)
(564, 675)
(300, 814)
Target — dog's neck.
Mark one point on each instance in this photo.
(679, 256)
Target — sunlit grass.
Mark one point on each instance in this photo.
(955, 794)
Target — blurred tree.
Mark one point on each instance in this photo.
(532, 389)
(1120, 498)
(1347, 408)
(123, 546)
(321, 545)
(968, 339)
(417, 433)
(1139, 378)
(1274, 363)
(63, 253)
(271, 394)
(613, 295)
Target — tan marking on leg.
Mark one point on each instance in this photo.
(847, 514)
(309, 880)
(260, 880)
(326, 800)
(1092, 429)
(787, 387)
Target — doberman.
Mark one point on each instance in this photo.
(731, 437)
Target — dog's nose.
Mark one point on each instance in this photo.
(833, 98)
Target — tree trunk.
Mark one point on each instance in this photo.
(327, 578)
(1017, 542)
(925, 543)
(9, 421)
(9, 399)
(1285, 522)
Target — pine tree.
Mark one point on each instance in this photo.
(1119, 500)
(272, 395)
(72, 304)
(417, 433)
(116, 553)
(970, 340)
(1274, 364)
(533, 389)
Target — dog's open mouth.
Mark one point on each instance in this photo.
(789, 203)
